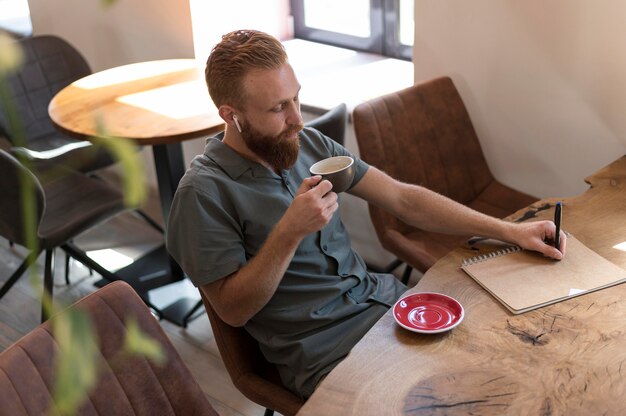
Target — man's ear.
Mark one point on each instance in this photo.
(227, 113)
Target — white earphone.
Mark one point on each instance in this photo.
(237, 123)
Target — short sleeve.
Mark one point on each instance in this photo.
(336, 149)
(202, 237)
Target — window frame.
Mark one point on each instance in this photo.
(384, 25)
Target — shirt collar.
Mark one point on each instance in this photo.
(233, 163)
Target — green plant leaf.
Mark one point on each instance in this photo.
(11, 56)
(126, 153)
(137, 342)
(77, 359)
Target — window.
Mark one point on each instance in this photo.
(15, 17)
(384, 27)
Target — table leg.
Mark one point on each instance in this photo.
(157, 268)
(170, 168)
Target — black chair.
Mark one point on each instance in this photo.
(50, 64)
(65, 204)
(332, 123)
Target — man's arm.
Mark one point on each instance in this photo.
(430, 211)
(239, 296)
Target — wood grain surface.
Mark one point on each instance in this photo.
(156, 102)
(564, 359)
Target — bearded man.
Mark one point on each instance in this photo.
(264, 241)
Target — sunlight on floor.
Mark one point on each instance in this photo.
(110, 259)
(621, 246)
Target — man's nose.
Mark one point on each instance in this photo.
(295, 116)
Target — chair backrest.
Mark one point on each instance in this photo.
(332, 123)
(256, 378)
(50, 64)
(422, 135)
(134, 385)
(14, 179)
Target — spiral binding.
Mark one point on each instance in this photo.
(487, 256)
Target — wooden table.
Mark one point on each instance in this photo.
(157, 103)
(568, 358)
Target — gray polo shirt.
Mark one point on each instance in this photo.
(223, 211)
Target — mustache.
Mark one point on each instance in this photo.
(292, 131)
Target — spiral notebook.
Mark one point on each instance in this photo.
(523, 280)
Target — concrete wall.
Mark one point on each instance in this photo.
(542, 80)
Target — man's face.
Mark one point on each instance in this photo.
(271, 120)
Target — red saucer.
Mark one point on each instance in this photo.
(428, 313)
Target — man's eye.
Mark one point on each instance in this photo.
(278, 109)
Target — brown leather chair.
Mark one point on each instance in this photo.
(137, 387)
(423, 135)
(256, 378)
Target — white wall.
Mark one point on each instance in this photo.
(542, 80)
(129, 31)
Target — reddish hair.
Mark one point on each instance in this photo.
(238, 53)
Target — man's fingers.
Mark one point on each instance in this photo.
(308, 184)
(323, 187)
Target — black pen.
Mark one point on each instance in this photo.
(557, 221)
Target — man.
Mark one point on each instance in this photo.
(265, 242)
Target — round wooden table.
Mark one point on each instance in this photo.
(151, 103)
(157, 103)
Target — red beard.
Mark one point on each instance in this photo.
(280, 152)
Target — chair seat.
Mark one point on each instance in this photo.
(248, 369)
(65, 216)
(57, 150)
(422, 249)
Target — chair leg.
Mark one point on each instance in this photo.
(14, 277)
(149, 220)
(83, 258)
(28, 261)
(407, 273)
(48, 280)
(67, 269)
(189, 314)
(268, 412)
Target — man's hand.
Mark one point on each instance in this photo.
(312, 208)
(239, 296)
(539, 236)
